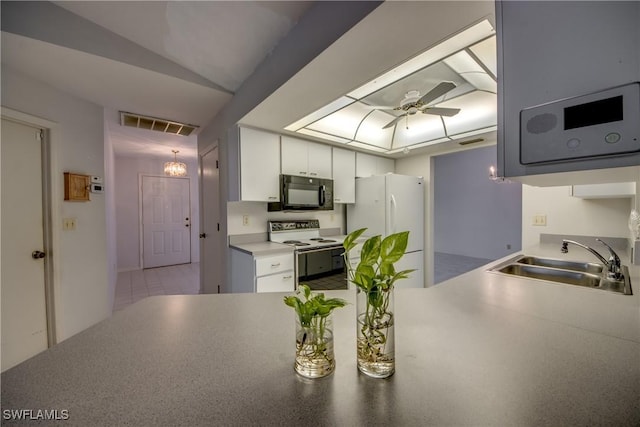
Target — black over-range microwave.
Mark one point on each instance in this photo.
(302, 193)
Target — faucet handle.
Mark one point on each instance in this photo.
(565, 247)
(614, 262)
(614, 255)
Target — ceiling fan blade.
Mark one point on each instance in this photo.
(441, 111)
(394, 121)
(437, 92)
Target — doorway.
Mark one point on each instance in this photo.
(476, 220)
(27, 307)
(166, 221)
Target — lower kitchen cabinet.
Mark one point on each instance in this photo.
(266, 273)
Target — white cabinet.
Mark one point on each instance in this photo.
(367, 165)
(604, 191)
(304, 158)
(259, 166)
(265, 273)
(344, 175)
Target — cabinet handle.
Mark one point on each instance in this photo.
(302, 173)
(336, 200)
(272, 198)
(286, 277)
(275, 265)
(313, 174)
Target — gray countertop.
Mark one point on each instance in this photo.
(480, 349)
(263, 248)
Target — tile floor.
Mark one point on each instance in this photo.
(336, 281)
(450, 265)
(132, 286)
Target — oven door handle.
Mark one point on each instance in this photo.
(321, 195)
(322, 249)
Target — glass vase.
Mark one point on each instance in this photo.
(314, 347)
(375, 352)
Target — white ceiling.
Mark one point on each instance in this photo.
(221, 41)
(224, 41)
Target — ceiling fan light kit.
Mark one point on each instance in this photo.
(457, 78)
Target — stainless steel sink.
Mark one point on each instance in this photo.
(587, 267)
(585, 274)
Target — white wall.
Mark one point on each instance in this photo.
(127, 206)
(81, 285)
(572, 215)
(258, 217)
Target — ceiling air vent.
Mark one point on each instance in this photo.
(154, 123)
(471, 141)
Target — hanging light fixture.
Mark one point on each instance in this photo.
(175, 168)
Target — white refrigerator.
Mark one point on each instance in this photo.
(391, 203)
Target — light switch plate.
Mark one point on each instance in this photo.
(539, 220)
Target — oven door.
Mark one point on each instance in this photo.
(321, 269)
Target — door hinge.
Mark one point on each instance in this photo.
(218, 226)
(39, 135)
(218, 288)
(217, 165)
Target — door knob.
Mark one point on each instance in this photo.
(203, 235)
(37, 254)
(186, 225)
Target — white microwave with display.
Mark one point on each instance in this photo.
(600, 124)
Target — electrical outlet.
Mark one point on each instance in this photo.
(539, 220)
(245, 220)
(69, 224)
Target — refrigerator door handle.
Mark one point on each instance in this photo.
(392, 225)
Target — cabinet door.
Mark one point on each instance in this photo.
(294, 156)
(344, 176)
(259, 166)
(319, 160)
(385, 165)
(280, 282)
(365, 165)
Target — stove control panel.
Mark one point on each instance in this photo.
(307, 224)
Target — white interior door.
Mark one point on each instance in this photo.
(166, 221)
(210, 234)
(24, 322)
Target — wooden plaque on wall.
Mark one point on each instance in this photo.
(76, 187)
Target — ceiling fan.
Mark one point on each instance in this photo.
(413, 103)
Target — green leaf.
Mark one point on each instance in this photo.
(393, 246)
(350, 241)
(370, 251)
(386, 268)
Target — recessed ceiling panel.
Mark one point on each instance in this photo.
(477, 110)
(371, 129)
(487, 53)
(343, 123)
(416, 129)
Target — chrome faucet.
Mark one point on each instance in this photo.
(613, 265)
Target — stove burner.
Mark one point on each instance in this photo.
(316, 238)
(295, 243)
(326, 240)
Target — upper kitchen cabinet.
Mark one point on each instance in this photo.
(259, 166)
(304, 158)
(344, 175)
(367, 165)
(567, 101)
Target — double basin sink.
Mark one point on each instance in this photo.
(585, 274)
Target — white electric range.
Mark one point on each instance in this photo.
(316, 256)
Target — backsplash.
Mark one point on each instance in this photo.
(252, 217)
